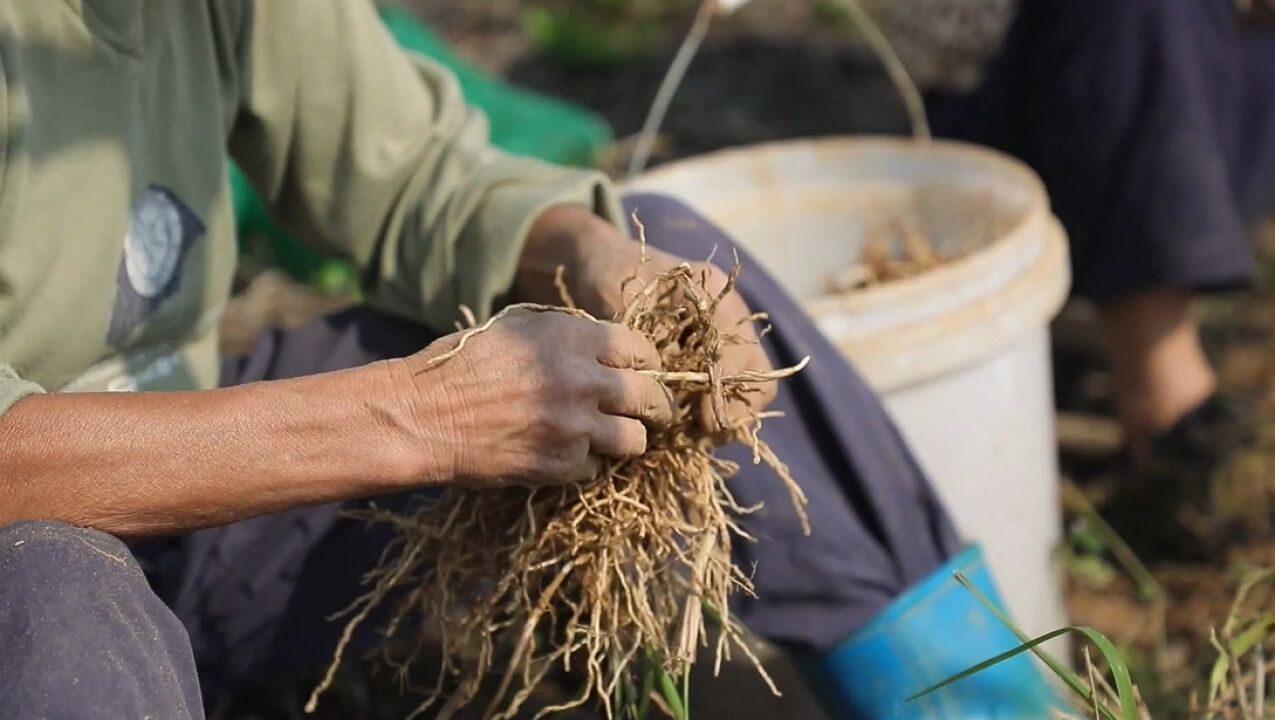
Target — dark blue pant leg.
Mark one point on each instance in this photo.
(1152, 124)
(877, 525)
(81, 633)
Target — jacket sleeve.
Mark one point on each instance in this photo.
(370, 154)
(13, 388)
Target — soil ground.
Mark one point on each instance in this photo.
(778, 71)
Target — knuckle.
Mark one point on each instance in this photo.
(579, 472)
(548, 471)
(550, 464)
(561, 463)
(574, 464)
(640, 346)
(616, 341)
(562, 427)
(579, 426)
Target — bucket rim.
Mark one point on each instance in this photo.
(912, 355)
(910, 331)
(1020, 239)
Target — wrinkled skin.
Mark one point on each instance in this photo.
(539, 398)
(535, 400)
(597, 260)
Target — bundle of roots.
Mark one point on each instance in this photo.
(886, 259)
(610, 580)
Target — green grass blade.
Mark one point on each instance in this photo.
(1221, 666)
(1246, 586)
(618, 700)
(1238, 642)
(1115, 661)
(1149, 590)
(1119, 672)
(648, 685)
(668, 688)
(711, 613)
(1255, 633)
(1018, 650)
(1249, 582)
(686, 693)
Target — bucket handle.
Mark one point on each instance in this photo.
(880, 44)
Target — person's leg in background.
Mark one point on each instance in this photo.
(1160, 371)
(1152, 125)
(81, 633)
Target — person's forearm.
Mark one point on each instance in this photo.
(137, 464)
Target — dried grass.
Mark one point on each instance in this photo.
(610, 579)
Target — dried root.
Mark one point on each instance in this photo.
(887, 259)
(610, 579)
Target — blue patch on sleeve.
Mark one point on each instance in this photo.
(161, 231)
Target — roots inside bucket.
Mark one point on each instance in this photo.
(610, 580)
(901, 253)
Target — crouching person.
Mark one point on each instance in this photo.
(228, 480)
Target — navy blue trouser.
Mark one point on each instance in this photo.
(249, 601)
(1152, 124)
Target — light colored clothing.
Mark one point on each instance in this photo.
(117, 243)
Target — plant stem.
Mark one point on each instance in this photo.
(686, 693)
(668, 689)
(648, 684)
(1149, 590)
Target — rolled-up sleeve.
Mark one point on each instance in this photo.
(13, 388)
(370, 154)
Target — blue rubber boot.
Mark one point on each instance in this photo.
(930, 633)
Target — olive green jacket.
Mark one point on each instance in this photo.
(117, 243)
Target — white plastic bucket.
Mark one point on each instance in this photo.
(959, 353)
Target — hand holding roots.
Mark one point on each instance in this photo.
(610, 578)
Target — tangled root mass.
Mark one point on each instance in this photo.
(610, 579)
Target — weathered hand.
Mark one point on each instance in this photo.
(536, 399)
(597, 259)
